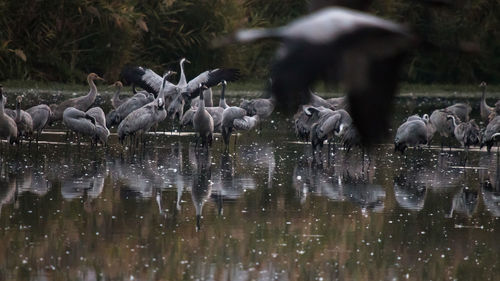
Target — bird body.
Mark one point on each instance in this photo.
(116, 116)
(262, 107)
(203, 122)
(101, 131)
(329, 123)
(246, 123)
(40, 114)
(79, 122)
(81, 103)
(410, 134)
(228, 116)
(467, 133)
(461, 110)
(23, 120)
(142, 119)
(441, 123)
(8, 127)
(491, 134)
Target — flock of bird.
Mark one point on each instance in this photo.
(328, 44)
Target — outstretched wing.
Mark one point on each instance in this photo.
(144, 78)
(213, 77)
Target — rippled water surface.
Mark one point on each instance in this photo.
(263, 211)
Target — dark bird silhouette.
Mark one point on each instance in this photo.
(362, 51)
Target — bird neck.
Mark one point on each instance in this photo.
(116, 96)
(201, 104)
(182, 78)
(1, 106)
(222, 101)
(93, 89)
(454, 121)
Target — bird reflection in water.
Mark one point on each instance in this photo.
(490, 183)
(353, 182)
(202, 184)
(409, 190)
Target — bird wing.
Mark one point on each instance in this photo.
(244, 123)
(212, 77)
(145, 78)
(329, 125)
(187, 118)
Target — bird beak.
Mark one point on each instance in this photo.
(100, 78)
(187, 61)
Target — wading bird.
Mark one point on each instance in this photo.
(23, 121)
(141, 120)
(467, 133)
(485, 109)
(410, 134)
(228, 116)
(8, 127)
(81, 103)
(363, 51)
(491, 134)
(203, 122)
(79, 122)
(442, 125)
(329, 123)
(40, 114)
(215, 112)
(101, 131)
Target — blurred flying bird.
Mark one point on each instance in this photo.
(362, 51)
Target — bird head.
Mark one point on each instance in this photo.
(118, 84)
(93, 76)
(19, 99)
(183, 60)
(482, 85)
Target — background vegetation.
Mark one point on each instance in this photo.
(62, 40)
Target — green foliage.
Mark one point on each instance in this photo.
(62, 40)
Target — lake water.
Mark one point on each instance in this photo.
(263, 211)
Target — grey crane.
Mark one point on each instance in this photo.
(203, 122)
(486, 110)
(430, 128)
(79, 122)
(228, 116)
(40, 114)
(101, 131)
(442, 125)
(303, 121)
(8, 127)
(116, 101)
(140, 99)
(491, 134)
(365, 52)
(329, 123)
(81, 103)
(215, 112)
(23, 120)
(467, 133)
(178, 94)
(461, 110)
(410, 134)
(142, 119)
(261, 106)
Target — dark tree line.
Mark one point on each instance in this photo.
(62, 40)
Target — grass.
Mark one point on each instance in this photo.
(254, 88)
